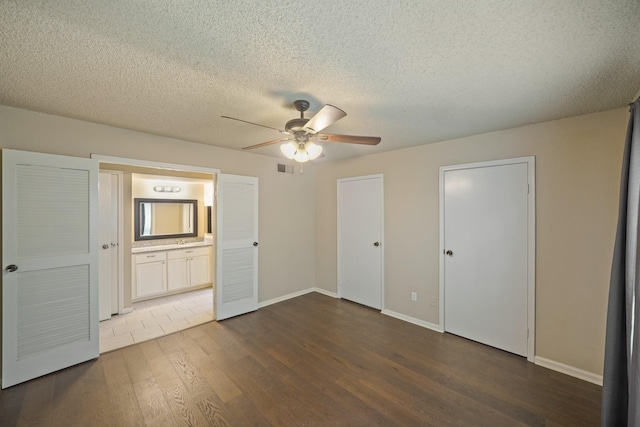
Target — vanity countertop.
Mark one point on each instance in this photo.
(143, 249)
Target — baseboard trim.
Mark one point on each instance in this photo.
(126, 310)
(413, 320)
(569, 370)
(325, 292)
(285, 297)
(297, 294)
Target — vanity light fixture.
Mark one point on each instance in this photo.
(166, 189)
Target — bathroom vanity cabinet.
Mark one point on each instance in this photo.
(158, 273)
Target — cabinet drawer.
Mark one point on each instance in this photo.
(188, 252)
(150, 257)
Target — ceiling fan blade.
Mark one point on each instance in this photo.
(350, 139)
(264, 144)
(251, 123)
(323, 118)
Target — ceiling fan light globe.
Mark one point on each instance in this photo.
(314, 150)
(301, 156)
(289, 149)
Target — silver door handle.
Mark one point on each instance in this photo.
(105, 246)
(449, 252)
(11, 268)
(376, 244)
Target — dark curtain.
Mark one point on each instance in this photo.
(621, 381)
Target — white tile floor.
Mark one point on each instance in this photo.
(157, 317)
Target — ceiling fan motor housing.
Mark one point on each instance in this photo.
(295, 125)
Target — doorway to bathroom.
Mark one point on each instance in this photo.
(158, 283)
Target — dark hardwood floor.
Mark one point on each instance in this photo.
(309, 361)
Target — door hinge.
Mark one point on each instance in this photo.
(528, 189)
(527, 333)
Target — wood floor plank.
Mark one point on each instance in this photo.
(153, 404)
(151, 350)
(215, 412)
(311, 360)
(162, 369)
(38, 398)
(221, 384)
(11, 401)
(82, 386)
(185, 411)
(245, 413)
(139, 369)
(374, 399)
(125, 409)
(278, 403)
(190, 375)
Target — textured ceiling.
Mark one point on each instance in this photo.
(411, 72)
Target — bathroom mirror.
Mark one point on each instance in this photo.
(165, 218)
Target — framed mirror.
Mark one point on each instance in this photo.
(165, 218)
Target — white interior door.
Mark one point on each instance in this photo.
(237, 248)
(360, 231)
(50, 264)
(486, 255)
(109, 244)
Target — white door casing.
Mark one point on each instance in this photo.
(109, 242)
(487, 269)
(237, 246)
(50, 233)
(360, 240)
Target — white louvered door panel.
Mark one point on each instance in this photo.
(237, 284)
(49, 231)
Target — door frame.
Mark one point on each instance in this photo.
(382, 243)
(531, 241)
(125, 161)
(120, 252)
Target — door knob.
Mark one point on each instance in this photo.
(255, 243)
(11, 268)
(376, 244)
(449, 252)
(105, 246)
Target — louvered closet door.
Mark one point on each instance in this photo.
(49, 240)
(237, 281)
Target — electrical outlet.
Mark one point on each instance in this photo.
(434, 302)
(414, 296)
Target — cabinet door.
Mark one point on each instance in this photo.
(178, 273)
(151, 278)
(200, 270)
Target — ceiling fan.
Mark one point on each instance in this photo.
(303, 134)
